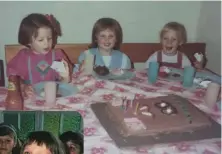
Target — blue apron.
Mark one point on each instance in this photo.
(116, 58)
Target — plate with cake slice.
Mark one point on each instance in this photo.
(171, 74)
(63, 89)
(104, 73)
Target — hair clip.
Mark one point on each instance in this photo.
(55, 24)
(49, 17)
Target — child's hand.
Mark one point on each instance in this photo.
(82, 66)
(65, 75)
(198, 65)
(29, 91)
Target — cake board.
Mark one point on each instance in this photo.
(207, 133)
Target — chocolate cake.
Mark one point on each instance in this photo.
(101, 70)
(155, 116)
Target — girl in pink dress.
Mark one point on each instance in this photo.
(38, 33)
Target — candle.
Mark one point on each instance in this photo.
(147, 114)
(126, 105)
(131, 103)
(143, 108)
(123, 103)
(137, 106)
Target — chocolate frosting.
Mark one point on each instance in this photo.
(101, 70)
(187, 117)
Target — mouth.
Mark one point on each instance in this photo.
(46, 49)
(169, 48)
(107, 44)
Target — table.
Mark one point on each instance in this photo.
(97, 141)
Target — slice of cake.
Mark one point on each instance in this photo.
(154, 116)
(101, 70)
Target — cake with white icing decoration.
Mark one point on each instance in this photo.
(153, 116)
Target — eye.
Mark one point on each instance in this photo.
(102, 36)
(26, 152)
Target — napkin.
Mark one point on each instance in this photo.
(58, 66)
(198, 56)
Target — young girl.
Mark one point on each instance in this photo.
(42, 142)
(172, 36)
(32, 64)
(106, 41)
(74, 142)
(8, 139)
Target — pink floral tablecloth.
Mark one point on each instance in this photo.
(97, 141)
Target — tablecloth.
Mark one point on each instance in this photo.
(97, 140)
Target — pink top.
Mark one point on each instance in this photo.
(34, 68)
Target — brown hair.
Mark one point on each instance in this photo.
(30, 24)
(107, 23)
(179, 28)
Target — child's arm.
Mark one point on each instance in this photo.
(17, 67)
(26, 89)
(152, 58)
(81, 60)
(81, 57)
(61, 56)
(18, 64)
(198, 65)
(126, 62)
(199, 62)
(185, 61)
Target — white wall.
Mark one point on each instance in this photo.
(209, 31)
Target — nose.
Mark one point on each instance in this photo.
(106, 39)
(169, 42)
(46, 43)
(3, 145)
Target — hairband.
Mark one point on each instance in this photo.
(52, 21)
(12, 128)
(49, 17)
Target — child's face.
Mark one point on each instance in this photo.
(106, 39)
(170, 41)
(73, 148)
(36, 149)
(6, 144)
(43, 42)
